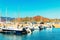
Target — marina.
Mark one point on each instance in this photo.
(24, 29)
(29, 20)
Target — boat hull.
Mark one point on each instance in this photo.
(7, 31)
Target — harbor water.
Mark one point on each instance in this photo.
(53, 34)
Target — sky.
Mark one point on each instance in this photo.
(30, 8)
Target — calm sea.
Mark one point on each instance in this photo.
(53, 34)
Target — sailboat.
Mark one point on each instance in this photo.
(1, 23)
(12, 30)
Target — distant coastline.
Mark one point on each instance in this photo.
(30, 19)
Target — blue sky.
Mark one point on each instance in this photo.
(30, 8)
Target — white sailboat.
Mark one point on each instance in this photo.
(1, 23)
(14, 30)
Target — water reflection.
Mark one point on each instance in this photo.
(11, 37)
(36, 35)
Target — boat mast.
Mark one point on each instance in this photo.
(0, 16)
(18, 15)
(18, 12)
(15, 17)
(41, 19)
(6, 15)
